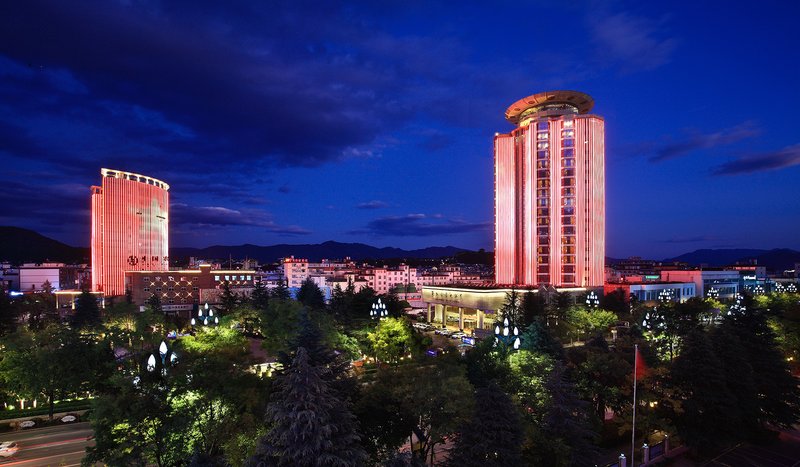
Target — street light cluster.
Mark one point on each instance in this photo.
(378, 310)
(507, 335)
(592, 300)
(209, 317)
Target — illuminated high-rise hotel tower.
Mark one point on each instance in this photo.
(550, 193)
(130, 228)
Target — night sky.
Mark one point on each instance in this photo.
(300, 122)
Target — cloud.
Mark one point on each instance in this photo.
(218, 216)
(632, 42)
(419, 225)
(374, 204)
(784, 158)
(695, 141)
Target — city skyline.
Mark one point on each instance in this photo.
(366, 123)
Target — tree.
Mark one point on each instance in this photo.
(154, 304)
(87, 313)
(567, 434)
(260, 296)
(616, 301)
(391, 340)
(707, 417)
(778, 394)
(8, 315)
(281, 291)
(538, 338)
(590, 322)
(55, 363)
(494, 434)
(511, 309)
(310, 426)
(533, 308)
(311, 296)
(228, 299)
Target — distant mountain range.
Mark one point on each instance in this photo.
(23, 245)
(19, 245)
(776, 260)
(313, 252)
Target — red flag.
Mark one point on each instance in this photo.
(640, 370)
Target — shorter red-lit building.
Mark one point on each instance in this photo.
(185, 289)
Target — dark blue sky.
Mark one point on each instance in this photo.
(299, 122)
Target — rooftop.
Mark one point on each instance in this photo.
(583, 103)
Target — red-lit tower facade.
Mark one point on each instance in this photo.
(130, 228)
(550, 193)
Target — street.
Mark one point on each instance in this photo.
(51, 446)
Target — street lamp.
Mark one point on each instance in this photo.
(166, 357)
(665, 295)
(759, 290)
(791, 288)
(506, 335)
(592, 300)
(737, 308)
(209, 317)
(378, 310)
(779, 288)
(713, 293)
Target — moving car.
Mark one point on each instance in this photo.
(8, 448)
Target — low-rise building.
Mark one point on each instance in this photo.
(185, 289)
(718, 282)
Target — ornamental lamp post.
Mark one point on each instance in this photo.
(378, 310)
(713, 293)
(507, 335)
(665, 295)
(758, 290)
(592, 300)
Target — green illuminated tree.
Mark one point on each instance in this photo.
(87, 313)
(391, 340)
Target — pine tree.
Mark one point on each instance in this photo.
(260, 296)
(87, 313)
(511, 309)
(281, 291)
(8, 316)
(154, 303)
(778, 394)
(494, 435)
(228, 299)
(538, 338)
(533, 308)
(310, 426)
(708, 418)
(567, 431)
(738, 374)
(311, 296)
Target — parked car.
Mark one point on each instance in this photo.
(457, 335)
(8, 448)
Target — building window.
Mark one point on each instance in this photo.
(158, 289)
(146, 279)
(170, 289)
(216, 278)
(170, 278)
(146, 289)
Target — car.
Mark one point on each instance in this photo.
(8, 448)
(457, 335)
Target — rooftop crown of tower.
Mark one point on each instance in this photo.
(550, 103)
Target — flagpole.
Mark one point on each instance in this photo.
(633, 424)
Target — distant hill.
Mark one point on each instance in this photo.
(313, 252)
(19, 245)
(776, 260)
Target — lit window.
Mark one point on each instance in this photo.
(216, 278)
(567, 123)
(170, 278)
(227, 278)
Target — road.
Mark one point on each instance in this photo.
(63, 445)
